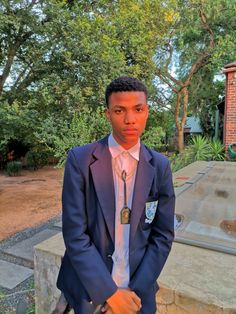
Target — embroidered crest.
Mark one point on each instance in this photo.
(150, 211)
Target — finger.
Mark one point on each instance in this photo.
(109, 310)
(136, 299)
(105, 308)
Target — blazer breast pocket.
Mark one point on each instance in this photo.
(149, 211)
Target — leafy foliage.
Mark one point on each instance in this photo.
(86, 126)
(16, 123)
(186, 51)
(217, 150)
(65, 53)
(205, 94)
(13, 168)
(180, 160)
(37, 158)
(200, 148)
(153, 137)
(56, 57)
(31, 309)
(23, 124)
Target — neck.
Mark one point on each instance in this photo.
(126, 146)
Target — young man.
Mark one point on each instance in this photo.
(118, 213)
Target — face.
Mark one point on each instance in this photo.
(127, 113)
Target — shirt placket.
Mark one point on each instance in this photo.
(120, 256)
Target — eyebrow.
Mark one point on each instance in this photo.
(120, 106)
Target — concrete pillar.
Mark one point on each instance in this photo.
(230, 105)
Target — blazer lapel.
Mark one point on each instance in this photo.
(102, 175)
(142, 187)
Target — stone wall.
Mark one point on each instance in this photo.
(173, 302)
(186, 286)
(47, 261)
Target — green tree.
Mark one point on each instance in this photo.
(56, 57)
(196, 39)
(205, 93)
(66, 52)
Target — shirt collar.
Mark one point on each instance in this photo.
(116, 149)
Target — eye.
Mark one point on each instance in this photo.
(118, 110)
(140, 109)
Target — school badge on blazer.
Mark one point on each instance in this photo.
(150, 211)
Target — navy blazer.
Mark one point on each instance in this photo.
(88, 218)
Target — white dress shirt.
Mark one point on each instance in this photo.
(122, 160)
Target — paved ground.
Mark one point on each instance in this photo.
(16, 267)
(206, 204)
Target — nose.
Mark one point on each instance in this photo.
(130, 117)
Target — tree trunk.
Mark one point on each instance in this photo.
(7, 67)
(178, 123)
(180, 140)
(182, 98)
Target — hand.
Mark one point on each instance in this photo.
(124, 301)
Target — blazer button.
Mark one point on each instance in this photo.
(91, 302)
(109, 256)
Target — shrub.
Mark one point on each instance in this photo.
(13, 168)
(199, 148)
(217, 150)
(31, 310)
(36, 159)
(18, 123)
(179, 161)
(35, 130)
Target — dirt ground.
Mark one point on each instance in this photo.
(29, 199)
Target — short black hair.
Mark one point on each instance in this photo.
(124, 84)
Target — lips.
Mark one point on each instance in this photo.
(130, 131)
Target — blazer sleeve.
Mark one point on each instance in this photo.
(160, 239)
(82, 253)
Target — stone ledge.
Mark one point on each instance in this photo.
(47, 261)
(199, 281)
(194, 280)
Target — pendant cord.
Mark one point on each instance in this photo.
(119, 172)
(123, 177)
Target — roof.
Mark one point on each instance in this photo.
(230, 65)
(194, 124)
